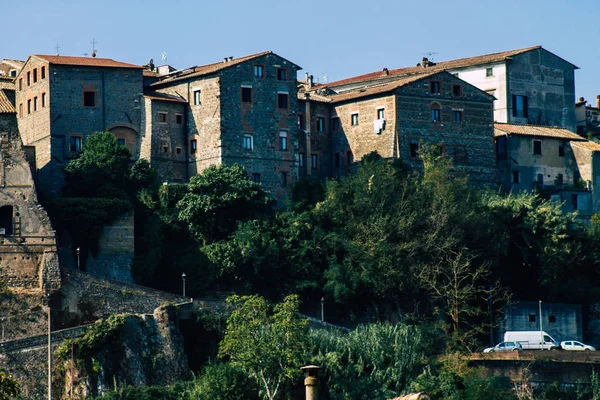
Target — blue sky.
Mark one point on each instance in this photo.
(328, 37)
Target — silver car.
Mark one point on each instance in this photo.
(504, 346)
(574, 345)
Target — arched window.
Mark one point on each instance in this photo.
(436, 112)
(6, 220)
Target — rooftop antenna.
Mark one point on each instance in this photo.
(430, 55)
(57, 48)
(325, 77)
(163, 56)
(93, 43)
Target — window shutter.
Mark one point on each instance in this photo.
(525, 106)
(514, 105)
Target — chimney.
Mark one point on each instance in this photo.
(224, 59)
(386, 72)
(309, 81)
(230, 58)
(581, 99)
(598, 101)
(425, 62)
(311, 382)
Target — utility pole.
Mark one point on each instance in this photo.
(541, 329)
(49, 350)
(491, 317)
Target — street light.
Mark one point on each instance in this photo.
(183, 276)
(322, 309)
(78, 259)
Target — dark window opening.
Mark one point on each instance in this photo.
(537, 147)
(575, 202)
(75, 144)
(178, 150)
(456, 90)
(89, 99)
(561, 151)
(301, 160)
(320, 124)
(301, 121)
(434, 87)
(6, 220)
(246, 95)
(121, 142)
(255, 177)
(457, 116)
(414, 150)
(283, 179)
(552, 319)
(519, 106)
(178, 119)
(335, 124)
(43, 72)
(531, 317)
(313, 161)
(193, 146)
(282, 100)
(515, 176)
(337, 160)
(282, 74)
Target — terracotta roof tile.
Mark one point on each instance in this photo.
(6, 106)
(86, 61)
(501, 129)
(151, 73)
(593, 146)
(164, 97)
(207, 69)
(443, 65)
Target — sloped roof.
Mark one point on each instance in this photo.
(501, 129)
(383, 88)
(164, 97)
(210, 68)
(6, 106)
(17, 64)
(589, 145)
(151, 73)
(86, 61)
(442, 65)
(7, 83)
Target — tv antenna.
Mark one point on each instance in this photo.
(93, 43)
(163, 56)
(430, 55)
(57, 48)
(325, 77)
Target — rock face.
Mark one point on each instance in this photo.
(131, 350)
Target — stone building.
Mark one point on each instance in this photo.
(395, 118)
(552, 161)
(240, 111)
(531, 85)
(10, 68)
(60, 100)
(28, 257)
(588, 117)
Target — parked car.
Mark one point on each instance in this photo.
(504, 346)
(574, 345)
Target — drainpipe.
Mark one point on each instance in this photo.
(307, 122)
(103, 104)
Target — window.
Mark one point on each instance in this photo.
(282, 100)
(436, 114)
(354, 119)
(414, 149)
(35, 75)
(121, 141)
(456, 90)
(559, 180)
(336, 159)
(320, 124)
(248, 142)
(335, 124)
(283, 144)
(537, 147)
(75, 144)
(197, 97)
(20, 83)
(89, 98)
(531, 317)
(29, 106)
(540, 180)
(246, 94)
(552, 319)
(575, 202)
(179, 119)
(28, 78)
(6, 220)
(35, 103)
(255, 177)
(162, 117)
(165, 149)
(381, 113)
(21, 110)
(489, 72)
(561, 151)
(301, 159)
(283, 179)
(258, 71)
(282, 74)
(519, 106)
(43, 99)
(13, 73)
(457, 116)
(501, 153)
(301, 121)
(461, 155)
(178, 150)
(193, 146)
(43, 72)
(515, 177)
(434, 87)
(314, 161)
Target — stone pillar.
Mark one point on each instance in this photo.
(311, 382)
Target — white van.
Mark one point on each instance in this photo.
(532, 340)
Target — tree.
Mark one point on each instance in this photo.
(9, 388)
(269, 346)
(218, 199)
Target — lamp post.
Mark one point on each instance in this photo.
(183, 276)
(541, 329)
(78, 259)
(322, 309)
